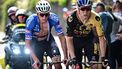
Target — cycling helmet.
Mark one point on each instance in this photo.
(20, 12)
(43, 7)
(84, 3)
(12, 10)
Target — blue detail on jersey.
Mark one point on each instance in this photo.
(33, 26)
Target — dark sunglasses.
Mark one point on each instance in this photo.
(87, 8)
(42, 15)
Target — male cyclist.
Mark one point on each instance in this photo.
(82, 25)
(38, 34)
(11, 14)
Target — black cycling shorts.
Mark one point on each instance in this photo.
(50, 47)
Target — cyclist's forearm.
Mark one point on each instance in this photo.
(70, 46)
(63, 45)
(102, 45)
(28, 45)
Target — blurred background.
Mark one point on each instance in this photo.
(58, 6)
(61, 7)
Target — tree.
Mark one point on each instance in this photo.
(6, 4)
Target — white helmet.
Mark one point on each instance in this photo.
(12, 10)
(20, 12)
(43, 7)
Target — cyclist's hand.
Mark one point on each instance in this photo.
(36, 65)
(65, 61)
(104, 62)
(72, 61)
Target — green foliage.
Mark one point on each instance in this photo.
(4, 7)
(32, 4)
(62, 3)
(53, 1)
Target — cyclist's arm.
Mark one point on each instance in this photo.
(70, 46)
(28, 45)
(102, 44)
(30, 23)
(60, 33)
(102, 40)
(69, 38)
(64, 46)
(32, 54)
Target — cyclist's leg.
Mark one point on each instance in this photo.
(39, 49)
(89, 50)
(78, 45)
(53, 52)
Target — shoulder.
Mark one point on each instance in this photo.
(31, 18)
(54, 17)
(95, 16)
(71, 17)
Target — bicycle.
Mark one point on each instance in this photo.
(85, 63)
(47, 63)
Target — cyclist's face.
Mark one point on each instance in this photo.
(43, 17)
(85, 11)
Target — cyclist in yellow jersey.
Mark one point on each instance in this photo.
(82, 25)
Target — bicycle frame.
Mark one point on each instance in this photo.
(47, 63)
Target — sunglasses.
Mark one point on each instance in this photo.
(87, 8)
(21, 17)
(42, 15)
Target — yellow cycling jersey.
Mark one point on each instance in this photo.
(96, 22)
(77, 28)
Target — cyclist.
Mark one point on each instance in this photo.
(38, 34)
(82, 25)
(11, 14)
(21, 16)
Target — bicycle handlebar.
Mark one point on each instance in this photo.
(51, 62)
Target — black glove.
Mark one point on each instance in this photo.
(104, 61)
(72, 61)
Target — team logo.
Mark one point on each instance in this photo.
(70, 19)
(97, 18)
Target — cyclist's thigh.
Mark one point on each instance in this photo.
(52, 49)
(78, 45)
(39, 48)
(89, 49)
